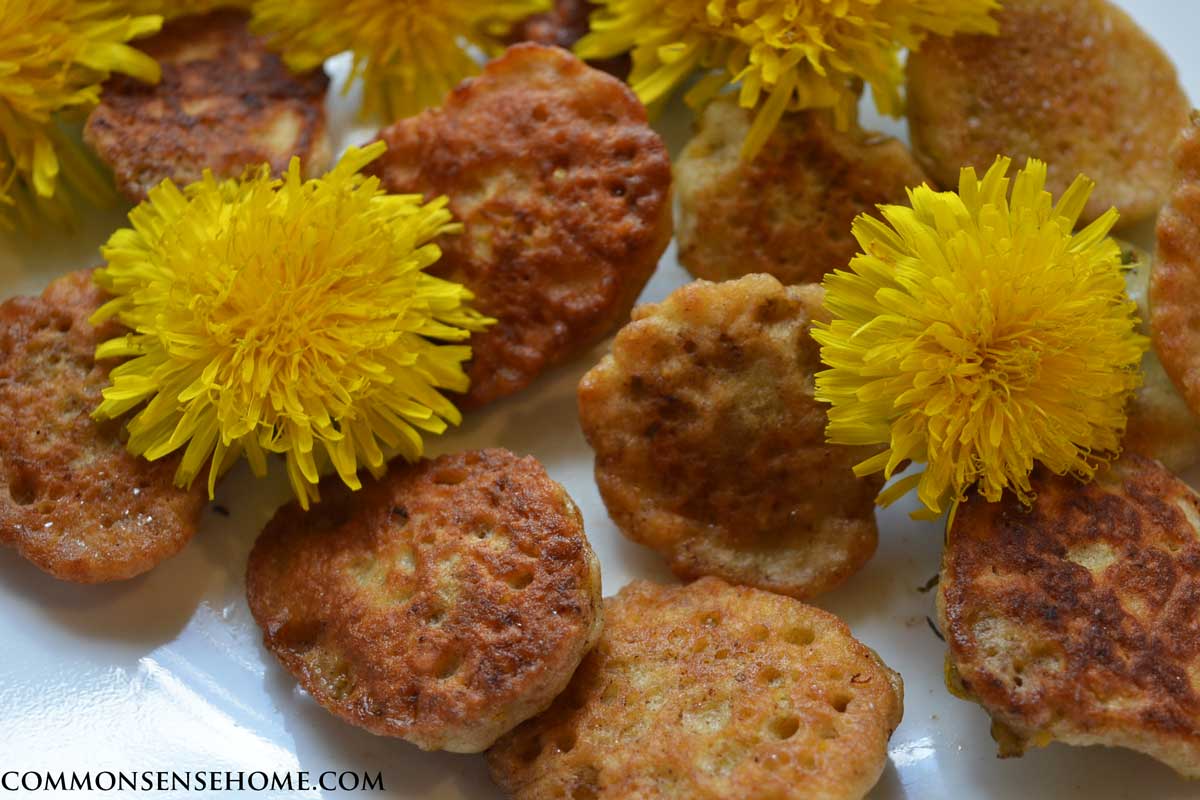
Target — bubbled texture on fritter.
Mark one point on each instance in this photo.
(72, 499)
(443, 604)
(710, 692)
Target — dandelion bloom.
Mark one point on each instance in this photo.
(977, 334)
(284, 316)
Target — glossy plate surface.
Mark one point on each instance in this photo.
(167, 671)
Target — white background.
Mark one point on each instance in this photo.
(167, 672)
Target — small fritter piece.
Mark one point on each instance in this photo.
(1076, 620)
(788, 212)
(443, 604)
(1075, 83)
(1160, 424)
(564, 190)
(1175, 277)
(225, 103)
(72, 499)
(708, 692)
(710, 447)
(563, 26)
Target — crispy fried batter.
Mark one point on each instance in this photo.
(1076, 621)
(563, 26)
(1160, 424)
(72, 499)
(788, 212)
(710, 447)
(1075, 83)
(1175, 277)
(225, 103)
(707, 692)
(443, 604)
(565, 193)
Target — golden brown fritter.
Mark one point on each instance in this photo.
(709, 692)
(442, 604)
(710, 447)
(224, 103)
(1175, 277)
(1076, 621)
(788, 212)
(72, 499)
(1160, 424)
(564, 190)
(564, 25)
(1075, 83)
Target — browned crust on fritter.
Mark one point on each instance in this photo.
(1175, 277)
(1077, 620)
(710, 692)
(564, 190)
(224, 103)
(1075, 83)
(710, 447)
(72, 499)
(563, 26)
(442, 604)
(788, 212)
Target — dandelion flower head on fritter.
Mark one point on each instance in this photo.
(284, 316)
(978, 335)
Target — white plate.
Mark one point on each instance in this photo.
(167, 672)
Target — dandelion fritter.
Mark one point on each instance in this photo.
(1075, 83)
(1075, 620)
(1160, 425)
(710, 447)
(564, 193)
(443, 604)
(72, 500)
(1175, 277)
(710, 691)
(225, 103)
(788, 212)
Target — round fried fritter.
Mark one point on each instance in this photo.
(1075, 83)
(564, 25)
(707, 692)
(443, 604)
(788, 212)
(1076, 620)
(564, 190)
(72, 499)
(1160, 424)
(1175, 277)
(225, 103)
(710, 447)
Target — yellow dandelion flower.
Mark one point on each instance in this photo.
(54, 54)
(284, 316)
(170, 9)
(409, 53)
(977, 334)
(785, 54)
